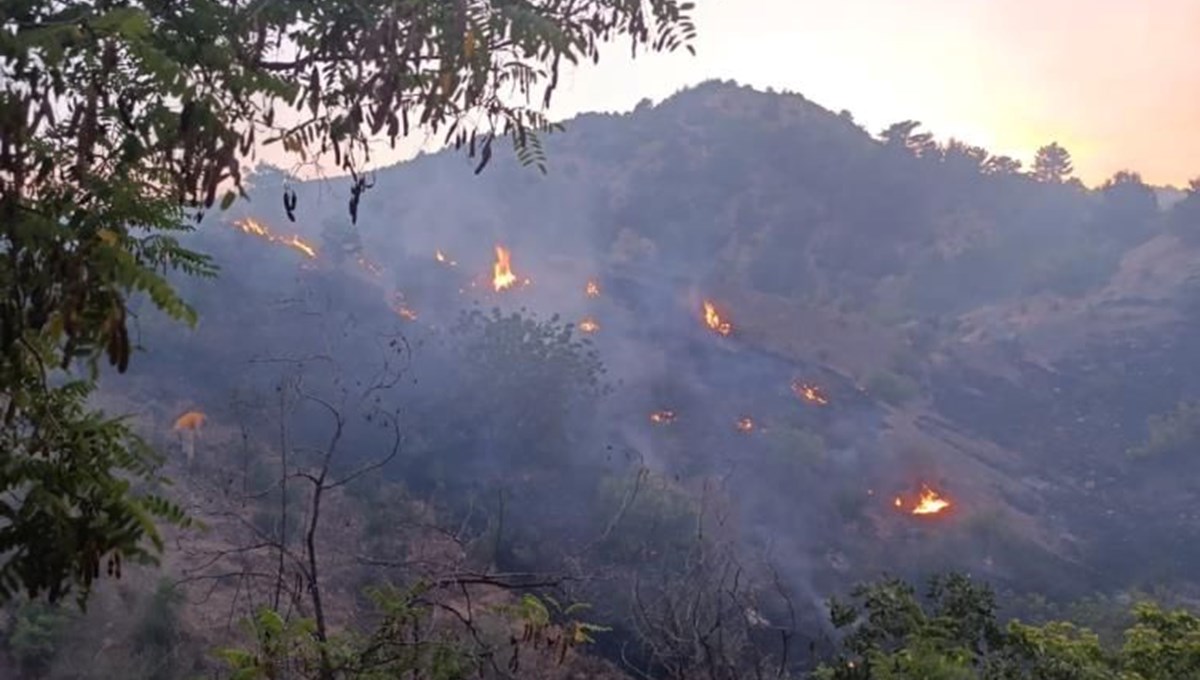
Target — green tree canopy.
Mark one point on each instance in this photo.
(122, 121)
(1052, 164)
(954, 633)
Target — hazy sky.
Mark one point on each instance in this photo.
(1115, 81)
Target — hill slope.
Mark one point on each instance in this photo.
(1000, 340)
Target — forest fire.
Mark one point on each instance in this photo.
(745, 424)
(928, 503)
(589, 325)
(592, 289)
(400, 306)
(441, 257)
(192, 420)
(255, 228)
(714, 321)
(502, 275)
(813, 394)
(662, 417)
(369, 266)
(187, 425)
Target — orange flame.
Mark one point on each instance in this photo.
(256, 228)
(662, 417)
(502, 275)
(745, 424)
(441, 257)
(369, 266)
(713, 320)
(589, 325)
(192, 420)
(401, 308)
(592, 289)
(928, 503)
(810, 393)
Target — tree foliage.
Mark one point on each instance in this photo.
(954, 632)
(1052, 164)
(123, 120)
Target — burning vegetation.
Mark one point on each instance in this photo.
(187, 425)
(255, 228)
(369, 267)
(192, 420)
(662, 417)
(745, 424)
(589, 325)
(502, 274)
(929, 502)
(713, 319)
(400, 306)
(810, 393)
(592, 289)
(441, 257)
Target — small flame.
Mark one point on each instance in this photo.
(256, 228)
(714, 321)
(745, 424)
(810, 393)
(502, 275)
(441, 257)
(400, 306)
(662, 417)
(192, 420)
(592, 289)
(369, 266)
(589, 325)
(928, 503)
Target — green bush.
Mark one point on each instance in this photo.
(1171, 433)
(36, 630)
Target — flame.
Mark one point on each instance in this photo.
(745, 424)
(661, 417)
(592, 289)
(589, 325)
(713, 320)
(192, 420)
(369, 266)
(255, 228)
(928, 503)
(810, 393)
(502, 276)
(441, 257)
(400, 306)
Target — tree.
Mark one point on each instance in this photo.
(954, 633)
(1052, 164)
(1128, 202)
(964, 158)
(904, 135)
(1004, 166)
(124, 121)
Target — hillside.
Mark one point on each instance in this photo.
(964, 328)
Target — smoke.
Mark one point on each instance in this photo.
(801, 255)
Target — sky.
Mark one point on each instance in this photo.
(1117, 82)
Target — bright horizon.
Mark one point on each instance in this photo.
(1114, 83)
